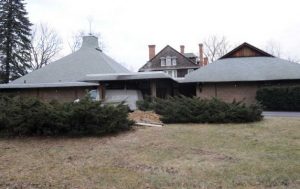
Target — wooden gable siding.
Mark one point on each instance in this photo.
(246, 52)
(181, 60)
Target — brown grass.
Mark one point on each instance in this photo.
(257, 155)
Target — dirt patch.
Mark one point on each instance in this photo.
(145, 117)
(212, 155)
(144, 168)
(22, 185)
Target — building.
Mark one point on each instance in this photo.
(60, 80)
(235, 76)
(238, 74)
(176, 64)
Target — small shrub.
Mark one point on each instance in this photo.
(32, 117)
(146, 104)
(182, 109)
(279, 98)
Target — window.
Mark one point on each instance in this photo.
(174, 62)
(94, 94)
(168, 61)
(172, 73)
(163, 61)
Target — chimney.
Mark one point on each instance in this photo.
(151, 51)
(205, 61)
(201, 54)
(182, 49)
(89, 41)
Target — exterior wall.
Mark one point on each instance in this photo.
(61, 94)
(230, 91)
(245, 91)
(182, 72)
(207, 91)
(68, 94)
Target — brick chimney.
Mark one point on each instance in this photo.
(205, 61)
(151, 51)
(182, 49)
(201, 54)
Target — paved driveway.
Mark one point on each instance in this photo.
(281, 114)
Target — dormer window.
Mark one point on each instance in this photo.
(168, 61)
(174, 61)
(163, 61)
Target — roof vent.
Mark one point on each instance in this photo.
(89, 42)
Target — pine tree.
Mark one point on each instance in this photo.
(14, 38)
(1, 68)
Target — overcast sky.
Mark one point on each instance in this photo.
(129, 26)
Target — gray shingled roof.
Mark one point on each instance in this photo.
(88, 59)
(246, 69)
(189, 55)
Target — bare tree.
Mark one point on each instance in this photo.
(273, 48)
(45, 45)
(215, 47)
(293, 59)
(76, 40)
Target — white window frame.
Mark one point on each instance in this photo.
(174, 61)
(168, 61)
(172, 73)
(163, 61)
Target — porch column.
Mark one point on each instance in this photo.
(153, 88)
(101, 90)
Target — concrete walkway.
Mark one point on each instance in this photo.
(281, 114)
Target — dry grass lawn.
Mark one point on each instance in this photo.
(257, 155)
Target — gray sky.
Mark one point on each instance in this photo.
(128, 26)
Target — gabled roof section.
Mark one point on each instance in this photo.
(242, 69)
(246, 50)
(89, 59)
(182, 60)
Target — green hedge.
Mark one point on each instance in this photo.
(279, 98)
(32, 117)
(182, 109)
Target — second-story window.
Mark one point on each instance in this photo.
(172, 73)
(168, 61)
(174, 61)
(163, 61)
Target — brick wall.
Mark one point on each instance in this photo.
(230, 91)
(238, 91)
(68, 94)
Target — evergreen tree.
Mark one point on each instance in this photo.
(14, 38)
(1, 68)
